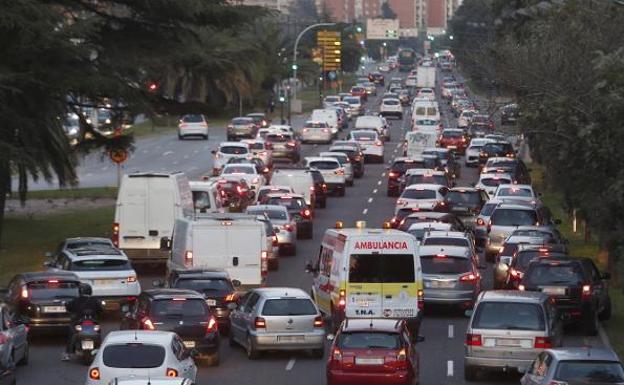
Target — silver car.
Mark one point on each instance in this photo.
(343, 159)
(284, 226)
(505, 218)
(13, 340)
(277, 318)
(508, 329)
(450, 275)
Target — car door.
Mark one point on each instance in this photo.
(185, 362)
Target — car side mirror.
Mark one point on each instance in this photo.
(165, 243)
(468, 313)
(236, 283)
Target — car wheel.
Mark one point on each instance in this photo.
(605, 314)
(470, 373)
(24, 360)
(252, 352)
(318, 353)
(591, 323)
(180, 137)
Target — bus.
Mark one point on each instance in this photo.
(407, 59)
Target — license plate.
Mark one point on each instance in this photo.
(211, 302)
(369, 361)
(104, 282)
(508, 342)
(451, 147)
(189, 344)
(87, 345)
(54, 309)
(554, 290)
(290, 338)
(441, 284)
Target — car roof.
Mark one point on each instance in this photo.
(321, 158)
(275, 187)
(87, 239)
(584, 354)
(173, 293)
(138, 336)
(515, 206)
(424, 186)
(233, 144)
(93, 254)
(371, 324)
(447, 234)
(281, 292)
(453, 251)
(268, 207)
(428, 214)
(201, 273)
(329, 154)
(256, 114)
(437, 226)
(497, 175)
(465, 189)
(513, 296)
(281, 195)
(48, 275)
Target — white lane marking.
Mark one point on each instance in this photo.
(193, 168)
(379, 183)
(383, 174)
(290, 364)
(449, 368)
(375, 191)
(365, 211)
(167, 153)
(186, 156)
(370, 200)
(451, 331)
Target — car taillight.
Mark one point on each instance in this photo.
(342, 299)
(318, 322)
(521, 288)
(24, 292)
(480, 222)
(147, 324)
(324, 187)
(473, 339)
(275, 240)
(421, 299)
(232, 297)
(470, 277)
(515, 274)
(131, 279)
(325, 130)
(260, 323)
(94, 373)
(312, 189)
(188, 258)
(393, 175)
(357, 158)
(542, 343)
(336, 355)
(586, 292)
(288, 228)
(306, 213)
(171, 372)
(255, 180)
(115, 237)
(264, 263)
(378, 143)
(212, 325)
(306, 129)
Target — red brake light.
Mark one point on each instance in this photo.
(470, 277)
(421, 299)
(306, 213)
(318, 322)
(473, 339)
(148, 324)
(94, 374)
(542, 343)
(115, 237)
(288, 228)
(212, 325)
(260, 323)
(171, 372)
(393, 174)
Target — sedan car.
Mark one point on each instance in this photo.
(260, 149)
(193, 125)
(316, 132)
(246, 172)
(277, 318)
(343, 159)
(13, 340)
(372, 145)
(284, 146)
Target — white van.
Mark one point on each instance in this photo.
(301, 181)
(368, 273)
(206, 197)
(424, 109)
(327, 115)
(147, 206)
(417, 141)
(236, 243)
(371, 122)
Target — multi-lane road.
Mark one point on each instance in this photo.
(441, 354)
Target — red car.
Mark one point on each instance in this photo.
(454, 139)
(359, 91)
(375, 352)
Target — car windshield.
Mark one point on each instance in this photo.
(553, 273)
(444, 264)
(100, 265)
(424, 178)
(514, 217)
(508, 316)
(289, 203)
(179, 308)
(204, 285)
(233, 150)
(242, 121)
(324, 165)
(514, 192)
(52, 289)
(364, 136)
(133, 356)
(192, 119)
(239, 170)
(387, 268)
(464, 197)
(271, 214)
(352, 100)
(86, 244)
(369, 340)
(288, 307)
(494, 181)
(447, 241)
(590, 372)
(418, 194)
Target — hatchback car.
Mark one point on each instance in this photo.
(371, 144)
(425, 176)
(241, 127)
(466, 203)
(332, 171)
(260, 119)
(373, 351)
(141, 353)
(182, 311)
(284, 226)
(193, 125)
(356, 157)
(490, 182)
(428, 197)
(284, 146)
(299, 211)
(506, 217)
(316, 132)
(343, 159)
(391, 107)
(496, 149)
(260, 149)
(225, 152)
(244, 171)
(507, 330)
(277, 318)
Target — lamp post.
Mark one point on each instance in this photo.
(294, 65)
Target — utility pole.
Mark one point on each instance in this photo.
(294, 65)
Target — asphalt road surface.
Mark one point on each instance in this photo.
(441, 354)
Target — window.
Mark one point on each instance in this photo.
(433, 264)
(173, 308)
(548, 274)
(271, 214)
(419, 194)
(324, 165)
(369, 340)
(603, 372)
(514, 217)
(133, 356)
(250, 305)
(426, 179)
(205, 285)
(446, 241)
(44, 290)
(201, 200)
(466, 197)
(378, 268)
(508, 316)
(101, 265)
(233, 150)
(288, 307)
(193, 119)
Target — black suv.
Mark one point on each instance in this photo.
(513, 166)
(38, 299)
(298, 208)
(398, 168)
(496, 149)
(580, 292)
(184, 312)
(466, 203)
(320, 188)
(214, 285)
(509, 114)
(521, 260)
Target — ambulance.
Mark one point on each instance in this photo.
(368, 273)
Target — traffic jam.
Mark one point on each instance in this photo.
(254, 257)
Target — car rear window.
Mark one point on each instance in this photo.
(443, 264)
(88, 244)
(524, 258)
(391, 102)
(452, 134)
(192, 119)
(553, 274)
(494, 181)
(514, 192)
(590, 372)
(239, 170)
(366, 136)
(271, 214)
(133, 356)
(497, 147)
(177, 308)
(426, 122)
(52, 289)
(513, 217)
(233, 150)
(206, 286)
(422, 179)
(324, 165)
(446, 241)
(288, 307)
(376, 268)
(278, 138)
(402, 166)
(418, 194)
(369, 340)
(316, 125)
(242, 121)
(508, 316)
(509, 249)
(289, 203)
(469, 197)
(101, 265)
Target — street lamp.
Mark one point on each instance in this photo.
(294, 66)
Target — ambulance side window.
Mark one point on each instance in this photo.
(325, 261)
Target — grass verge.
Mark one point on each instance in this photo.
(96, 192)
(27, 238)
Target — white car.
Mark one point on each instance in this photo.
(426, 124)
(193, 125)
(332, 171)
(106, 269)
(141, 353)
(281, 128)
(391, 107)
(372, 146)
(373, 122)
(344, 161)
(147, 380)
(356, 108)
(490, 182)
(421, 229)
(473, 151)
(330, 100)
(465, 118)
(521, 192)
(246, 171)
(316, 132)
(427, 93)
(260, 149)
(426, 197)
(227, 151)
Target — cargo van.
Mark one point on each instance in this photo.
(327, 115)
(417, 141)
(206, 197)
(368, 273)
(236, 243)
(147, 206)
(424, 110)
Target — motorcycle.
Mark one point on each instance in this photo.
(88, 339)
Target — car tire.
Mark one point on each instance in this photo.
(590, 323)
(605, 314)
(252, 352)
(318, 353)
(470, 373)
(180, 137)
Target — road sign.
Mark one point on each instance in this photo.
(382, 29)
(330, 45)
(118, 155)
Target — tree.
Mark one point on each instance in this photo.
(387, 12)
(304, 10)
